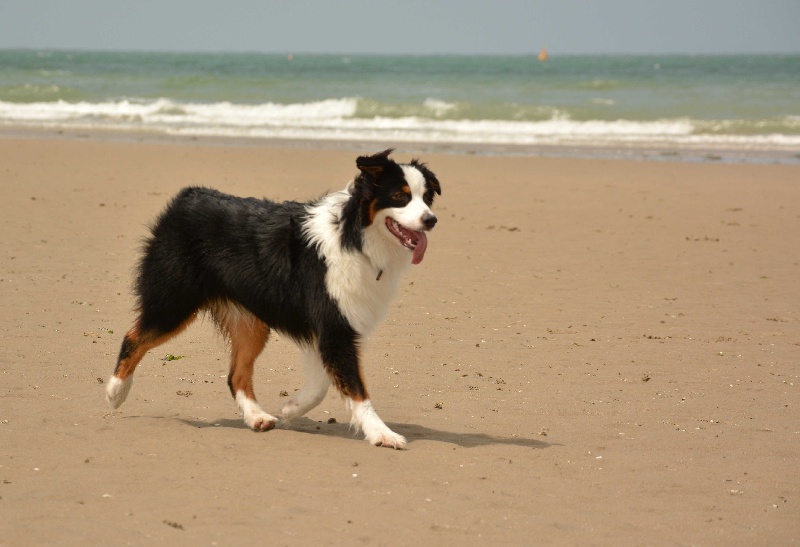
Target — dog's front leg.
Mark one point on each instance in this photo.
(339, 353)
(363, 417)
(312, 393)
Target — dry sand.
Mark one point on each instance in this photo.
(592, 352)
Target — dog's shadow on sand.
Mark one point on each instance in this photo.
(412, 432)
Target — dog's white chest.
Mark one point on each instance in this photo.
(362, 298)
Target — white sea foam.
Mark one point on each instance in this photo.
(336, 119)
(166, 111)
(437, 107)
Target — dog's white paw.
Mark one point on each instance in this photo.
(254, 416)
(289, 410)
(376, 432)
(387, 438)
(117, 390)
(261, 421)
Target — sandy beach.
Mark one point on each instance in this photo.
(592, 352)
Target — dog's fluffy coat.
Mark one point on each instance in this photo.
(321, 272)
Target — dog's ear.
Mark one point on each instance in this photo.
(375, 164)
(430, 178)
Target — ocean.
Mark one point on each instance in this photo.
(748, 104)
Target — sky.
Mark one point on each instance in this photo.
(405, 26)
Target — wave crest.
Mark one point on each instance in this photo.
(431, 121)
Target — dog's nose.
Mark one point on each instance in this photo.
(429, 221)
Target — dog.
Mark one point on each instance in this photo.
(321, 272)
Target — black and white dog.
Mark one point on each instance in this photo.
(322, 272)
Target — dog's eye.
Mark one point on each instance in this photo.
(400, 196)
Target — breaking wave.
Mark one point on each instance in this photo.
(430, 121)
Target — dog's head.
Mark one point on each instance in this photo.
(396, 199)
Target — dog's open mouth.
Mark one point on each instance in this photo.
(410, 239)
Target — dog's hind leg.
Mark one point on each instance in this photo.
(314, 390)
(248, 335)
(136, 343)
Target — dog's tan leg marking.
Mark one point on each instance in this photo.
(248, 335)
(135, 345)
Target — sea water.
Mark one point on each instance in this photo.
(746, 103)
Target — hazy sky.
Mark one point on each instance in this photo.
(405, 26)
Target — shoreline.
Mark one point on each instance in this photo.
(664, 152)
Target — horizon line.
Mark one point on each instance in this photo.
(533, 53)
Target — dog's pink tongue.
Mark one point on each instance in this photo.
(419, 250)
